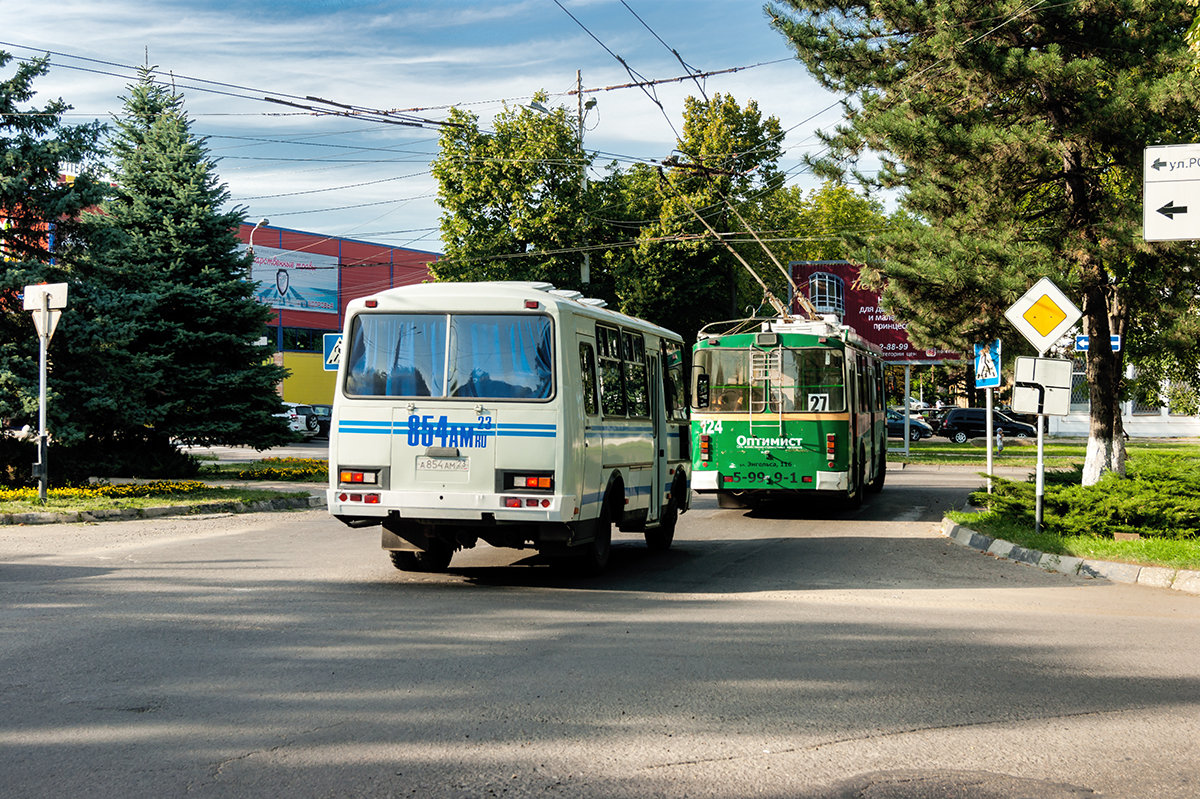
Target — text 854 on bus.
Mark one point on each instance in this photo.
(786, 408)
(511, 413)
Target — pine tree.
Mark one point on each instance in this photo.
(36, 204)
(163, 332)
(1015, 134)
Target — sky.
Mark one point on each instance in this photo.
(369, 180)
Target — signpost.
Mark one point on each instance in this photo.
(987, 376)
(1042, 315)
(46, 302)
(1171, 192)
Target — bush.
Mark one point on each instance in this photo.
(1159, 497)
(146, 456)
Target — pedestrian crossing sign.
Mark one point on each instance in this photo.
(987, 364)
(333, 351)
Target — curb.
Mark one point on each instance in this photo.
(1184, 580)
(126, 514)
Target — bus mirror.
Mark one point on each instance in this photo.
(702, 390)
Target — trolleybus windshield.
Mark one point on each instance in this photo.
(784, 379)
(486, 356)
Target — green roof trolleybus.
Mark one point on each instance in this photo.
(786, 407)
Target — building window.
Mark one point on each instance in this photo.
(828, 293)
(303, 339)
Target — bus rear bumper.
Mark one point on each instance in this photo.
(450, 506)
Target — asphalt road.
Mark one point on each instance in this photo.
(775, 653)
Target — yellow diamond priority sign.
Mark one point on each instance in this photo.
(1043, 315)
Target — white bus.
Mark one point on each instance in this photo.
(509, 412)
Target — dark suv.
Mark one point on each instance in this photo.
(963, 423)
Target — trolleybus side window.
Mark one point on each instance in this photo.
(587, 369)
(637, 402)
(612, 375)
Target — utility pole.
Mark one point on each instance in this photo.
(585, 269)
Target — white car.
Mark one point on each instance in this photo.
(295, 420)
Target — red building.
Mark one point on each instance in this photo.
(308, 279)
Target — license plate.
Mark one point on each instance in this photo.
(427, 464)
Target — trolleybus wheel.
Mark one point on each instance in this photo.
(659, 539)
(876, 484)
(856, 476)
(435, 559)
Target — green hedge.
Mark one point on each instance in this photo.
(1159, 497)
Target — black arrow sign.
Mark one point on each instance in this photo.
(1158, 164)
(1170, 209)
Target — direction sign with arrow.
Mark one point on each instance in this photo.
(1170, 184)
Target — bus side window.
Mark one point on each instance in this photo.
(611, 371)
(674, 388)
(634, 354)
(587, 370)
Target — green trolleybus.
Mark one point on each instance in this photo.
(786, 407)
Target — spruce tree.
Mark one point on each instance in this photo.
(1015, 135)
(163, 334)
(37, 205)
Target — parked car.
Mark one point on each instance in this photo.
(295, 422)
(917, 429)
(323, 414)
(961, 424)
(308, 419)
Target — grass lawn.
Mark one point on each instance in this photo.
(1062, 454)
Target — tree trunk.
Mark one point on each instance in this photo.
(1106, 435)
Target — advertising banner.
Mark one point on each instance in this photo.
(832, 286)
(296, 281)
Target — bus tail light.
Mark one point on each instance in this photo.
(532, 481)
(358, 478)
(830, 445)
(706, 448)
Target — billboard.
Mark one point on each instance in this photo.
(295, 281)
(832, 286)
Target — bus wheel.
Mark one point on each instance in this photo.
(659, 539)
(435, 559)
(595, 554)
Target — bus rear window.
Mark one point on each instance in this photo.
(486, 356)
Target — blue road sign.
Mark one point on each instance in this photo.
(1081, 343)
(333, 351)
(987, 364)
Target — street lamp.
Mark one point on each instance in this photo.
(261, 222)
